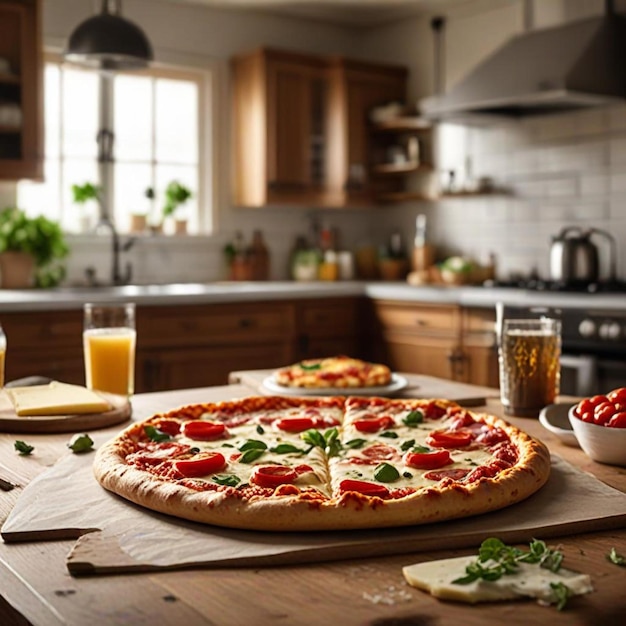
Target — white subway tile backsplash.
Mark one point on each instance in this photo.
(617, 151)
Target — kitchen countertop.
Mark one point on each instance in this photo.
(198, 293)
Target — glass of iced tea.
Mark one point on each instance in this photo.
(529, 356)
(109, 338)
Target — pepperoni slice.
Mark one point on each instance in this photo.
(295, 424)
(202, 430)
(373, 424)
(454, 474)
(379, 452)
(170, 427)
(363, 487)
(427, 460)
(273, 475)
(449, 439)
(207, 463)
(491, 436)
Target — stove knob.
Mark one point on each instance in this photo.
(610, 330)
(587, 328)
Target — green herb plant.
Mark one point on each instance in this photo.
(176, 195)
(23, 448)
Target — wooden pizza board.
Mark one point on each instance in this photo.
(116, 536)
(419, 386)
(10, 422)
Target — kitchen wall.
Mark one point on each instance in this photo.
(558, 170)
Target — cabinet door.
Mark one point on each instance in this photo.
(423, 355)
(21, 106)
(480, 352)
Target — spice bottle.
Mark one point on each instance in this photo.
(259, 257)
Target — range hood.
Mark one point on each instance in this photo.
(576, 65)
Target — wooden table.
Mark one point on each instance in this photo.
(35, 586)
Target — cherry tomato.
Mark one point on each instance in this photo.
(273, 475)
(427, 460)
(603, 413)
(202, 430)
(295, 424)
(364, 487)
(589, 404)
(618, 420)
(373, 424)
(449, 439)
(587, 416)
(207, 463)
(617, 396)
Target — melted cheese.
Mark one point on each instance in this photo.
(530, 580)
(56, 398)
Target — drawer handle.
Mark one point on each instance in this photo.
(246, 322)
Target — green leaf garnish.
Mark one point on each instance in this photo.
(389, 434)
(313, 366)
(286, 448)
(260, 430)
(251, 455)
(327, 441)
(562, 593)
(23, 448)
(421, 449)
(230, 480)
(252, 444)
(355, 444)
(154, 434)
(407, 445)
(313, 437)
(413, 418)
(616, 558)
(386, 473)
(80, 443)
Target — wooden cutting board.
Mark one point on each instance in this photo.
(419, 386)
(10, 422)
(117, 536)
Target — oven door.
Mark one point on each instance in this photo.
(579, 375)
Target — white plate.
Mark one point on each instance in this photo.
(397, 383)
(555, 419)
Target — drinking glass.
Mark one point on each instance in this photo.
(529, 357)
(109, 338)
(3, 351)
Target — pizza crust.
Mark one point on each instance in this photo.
(351, 510)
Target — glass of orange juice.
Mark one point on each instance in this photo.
(109, 338)
(3, 351)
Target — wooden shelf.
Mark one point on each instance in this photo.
(398, 168)
(10, 79)
(9, 130)
(403, 124)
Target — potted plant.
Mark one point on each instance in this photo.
(176, 196)
(31, 249)
(83, 194)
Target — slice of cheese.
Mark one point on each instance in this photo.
(56, 398)
(530, 581)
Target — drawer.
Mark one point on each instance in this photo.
(328, 319)
(44, 330)
(479, 320)
(212, 325)
(419, 319)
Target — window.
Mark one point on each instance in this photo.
(153, 122)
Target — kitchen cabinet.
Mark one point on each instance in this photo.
(280, 102)
(21, 90)
(479, 347)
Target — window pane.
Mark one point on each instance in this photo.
(41, 198)
(80, 112)
(52, 109)
(131, 182)
(133, 118)
(176, 121)
(78, 172)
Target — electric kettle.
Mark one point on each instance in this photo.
(574, 257)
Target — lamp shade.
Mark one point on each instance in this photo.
(109, 42)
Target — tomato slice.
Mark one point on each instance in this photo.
(373, 424)
(363, 487)
(171, 427)
(295, 424)
(450, 439)
(427, 460)
(273, 475)
(202, 430)
(201, 465)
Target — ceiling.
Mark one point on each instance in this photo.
(361, 13)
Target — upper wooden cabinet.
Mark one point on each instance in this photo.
(302, 129)
(21, 107)
(280, 128)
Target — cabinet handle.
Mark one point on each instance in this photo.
(246, 322)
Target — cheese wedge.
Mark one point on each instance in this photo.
(531, 580)
(56, 398)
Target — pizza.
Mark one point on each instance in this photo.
(335, 371)
(324, 463)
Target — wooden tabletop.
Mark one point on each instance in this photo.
(36, 587)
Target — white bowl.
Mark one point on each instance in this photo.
(604, 444)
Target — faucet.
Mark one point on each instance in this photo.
(117, 278)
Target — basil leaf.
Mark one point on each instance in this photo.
(286, 448)
(155, 434)
(421, 449)
(230, 480)
(23, 448)
(386, 473)
(80, 443)
(407, 445)
(253, 444)
(260, 430)
(413, 418)
(313, 437)
(333, 445)
(389, 434)
(562, 593)
(616, 558)
(355, 444)
(310, 368)
(251, 455)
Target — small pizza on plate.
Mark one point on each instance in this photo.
(278, 463)
(336, 371)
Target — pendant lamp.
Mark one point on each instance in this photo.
(109, 42)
